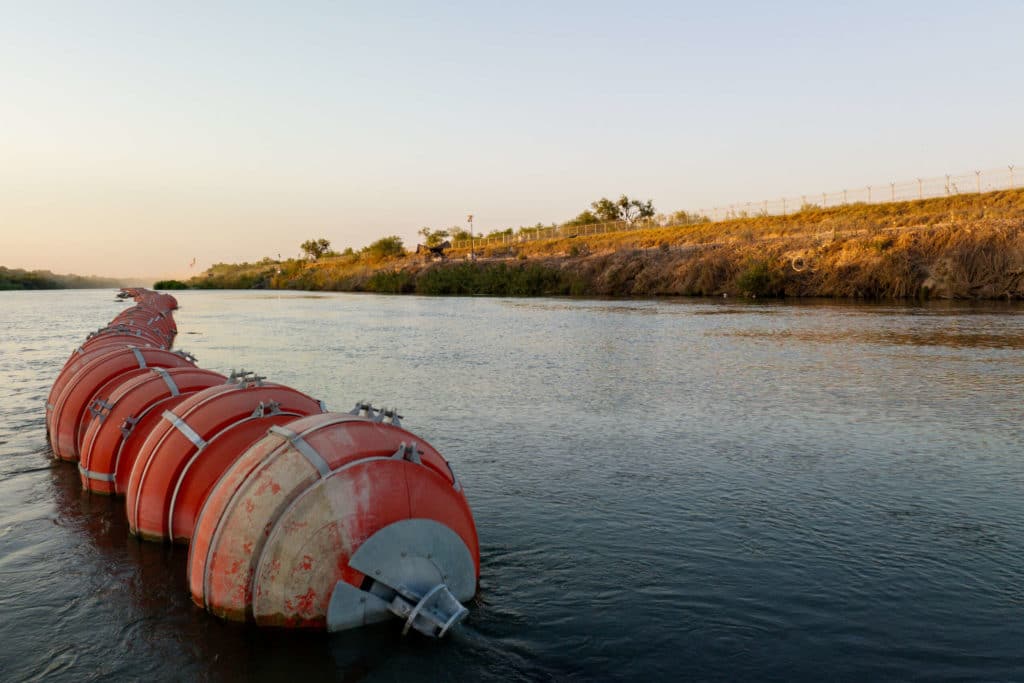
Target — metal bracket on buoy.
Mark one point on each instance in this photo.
(186, 355)
(456, 484)
(383, 415)
(407, 452)
(100, 408)
(420, 570)
(268, 408)
(243, 376)
(128, 425)
(432, 615)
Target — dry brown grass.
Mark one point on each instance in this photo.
(967, 246)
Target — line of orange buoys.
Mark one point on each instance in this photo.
(294, 516)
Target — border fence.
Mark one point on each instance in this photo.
(974, 182)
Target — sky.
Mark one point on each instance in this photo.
(138, 136)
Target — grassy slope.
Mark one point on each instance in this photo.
(965, 246)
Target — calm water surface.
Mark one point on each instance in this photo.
(664, 490)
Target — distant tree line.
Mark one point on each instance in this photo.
(16, 278)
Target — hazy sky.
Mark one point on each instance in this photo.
(135, 136)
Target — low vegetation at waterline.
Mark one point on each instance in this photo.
(964, 246)
(170, 284)
(15, 278)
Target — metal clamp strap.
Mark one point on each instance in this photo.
(303, 447)
(183, 427)
(96, 476)
(169, 381)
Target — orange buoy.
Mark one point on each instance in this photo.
(80, 391)
(333, 521)
(135, 441)
(186, 452)
(147, 317)
(74, 364)
(125, 329)
(103, 458)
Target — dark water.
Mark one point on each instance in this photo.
(663, 490)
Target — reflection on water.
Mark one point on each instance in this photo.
(951, 339)
(665, 489)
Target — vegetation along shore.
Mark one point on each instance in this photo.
(968, 246)
(15, 278)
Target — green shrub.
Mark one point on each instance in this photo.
(760, 279)
(170, 284)
(391, 282)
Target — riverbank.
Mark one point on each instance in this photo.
(959, 247)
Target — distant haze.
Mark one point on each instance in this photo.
(136, 137)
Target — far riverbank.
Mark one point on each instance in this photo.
(960, 247)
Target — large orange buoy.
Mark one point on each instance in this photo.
(75, 363)
(334, 521)
(135, 333)
(101, 464)
(187, 451)
(147, 317)
(78, 394)
(135, 441)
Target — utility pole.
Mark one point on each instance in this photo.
(920, 189)
(1011, 175)
(892, 191)
(472, 246)
(869, 194)
(977, 178)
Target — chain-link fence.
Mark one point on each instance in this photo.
(1006, 178)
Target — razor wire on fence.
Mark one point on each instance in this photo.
(975, 182)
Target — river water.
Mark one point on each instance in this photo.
(664, 490)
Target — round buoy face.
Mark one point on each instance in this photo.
(187, 430)
(309, 549)
(78, 394)
(104, 436)
(264, 480)
(253, 495)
